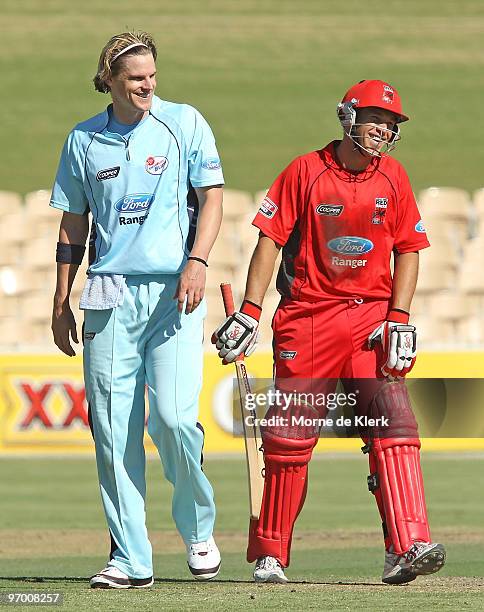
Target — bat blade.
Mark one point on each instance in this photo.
(252, 437)
(253, 443)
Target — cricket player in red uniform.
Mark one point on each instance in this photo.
(339, 214)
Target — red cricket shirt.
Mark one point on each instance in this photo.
(339, 228)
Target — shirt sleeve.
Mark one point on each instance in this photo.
(279, 210)
(410, 232)
(68, 192)
(204, 166)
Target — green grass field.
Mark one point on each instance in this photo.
(266, 73)
(52, 538)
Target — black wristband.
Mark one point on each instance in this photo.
(199, 259)
(69, 253)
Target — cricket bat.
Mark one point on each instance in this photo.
(252, 437)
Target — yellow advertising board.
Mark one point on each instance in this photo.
(43, 407)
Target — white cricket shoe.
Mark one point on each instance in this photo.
(269, 569)
(420, 559)
(204, 559)
(113, 578)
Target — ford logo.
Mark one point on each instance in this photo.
(134, 203)
(350, 245)
(211, 164)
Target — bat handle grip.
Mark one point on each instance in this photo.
(228, 298)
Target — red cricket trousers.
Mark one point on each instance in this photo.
(327, 339)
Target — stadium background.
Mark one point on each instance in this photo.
(267, 75)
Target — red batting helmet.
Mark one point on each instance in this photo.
(375, 93)
(370, 93)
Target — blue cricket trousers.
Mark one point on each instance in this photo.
(146, 342)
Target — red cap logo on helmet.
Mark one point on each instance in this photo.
(387, 94)
(376, 93)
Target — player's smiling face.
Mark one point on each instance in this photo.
(375, 128)
(133, 87)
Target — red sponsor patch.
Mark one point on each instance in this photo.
(268, 208)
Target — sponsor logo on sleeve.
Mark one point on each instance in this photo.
(156, 164)
(108, 173)
(89, 335)
(350, 245)
(420, 227)
(329, 210)
(287, 354)
(268, 208)
(212, 163)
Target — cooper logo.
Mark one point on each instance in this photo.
(156, 164)
(109, 173)
(420, 227)
(329, 210)
(350, 245)
(268, 208)
(287, 354)
(213, 163)
(134, 203)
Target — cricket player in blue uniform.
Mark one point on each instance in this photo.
(137, 167)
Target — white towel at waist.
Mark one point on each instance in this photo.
(102, 292)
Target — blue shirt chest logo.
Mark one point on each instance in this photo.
(134, 203)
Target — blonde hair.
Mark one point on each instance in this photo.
(116, 49)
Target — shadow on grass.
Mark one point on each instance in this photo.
(74, 579)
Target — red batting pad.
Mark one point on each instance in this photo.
(285, 486)
(400, 492)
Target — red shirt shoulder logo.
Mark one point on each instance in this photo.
(268, 208)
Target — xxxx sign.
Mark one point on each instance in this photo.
(43, 404)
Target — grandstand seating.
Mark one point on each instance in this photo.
(448, 307)
(448, 207)
(9, 202)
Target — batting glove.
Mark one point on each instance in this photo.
(238, 334)
(399, 343)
